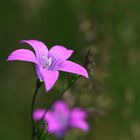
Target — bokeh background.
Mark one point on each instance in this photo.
(111, 95)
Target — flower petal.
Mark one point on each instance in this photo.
(38, 72)
(61, 52)
(77, 119)
(39, 47)
(79, 113)
(57, 118)
(49, 77)
(38, 114)
(61, 106)
(72, 67)
(22, 55)
(52, 121)
(58, 55)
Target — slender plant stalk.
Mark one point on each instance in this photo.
(72, 81)
(38, 85)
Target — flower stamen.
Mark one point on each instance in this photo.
(47, 62)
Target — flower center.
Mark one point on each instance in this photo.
(62, 119)
(46, 62)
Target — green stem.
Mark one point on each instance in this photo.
(38, 85)
(72, 81)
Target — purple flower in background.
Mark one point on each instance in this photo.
(48, 62)
(60, 118)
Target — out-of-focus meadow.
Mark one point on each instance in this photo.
(112, 94)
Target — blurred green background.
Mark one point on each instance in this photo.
(112, 95)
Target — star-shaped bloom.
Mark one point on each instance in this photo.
(60, 118)
(48, 63)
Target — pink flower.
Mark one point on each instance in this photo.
(48, 63)
(60, 118)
